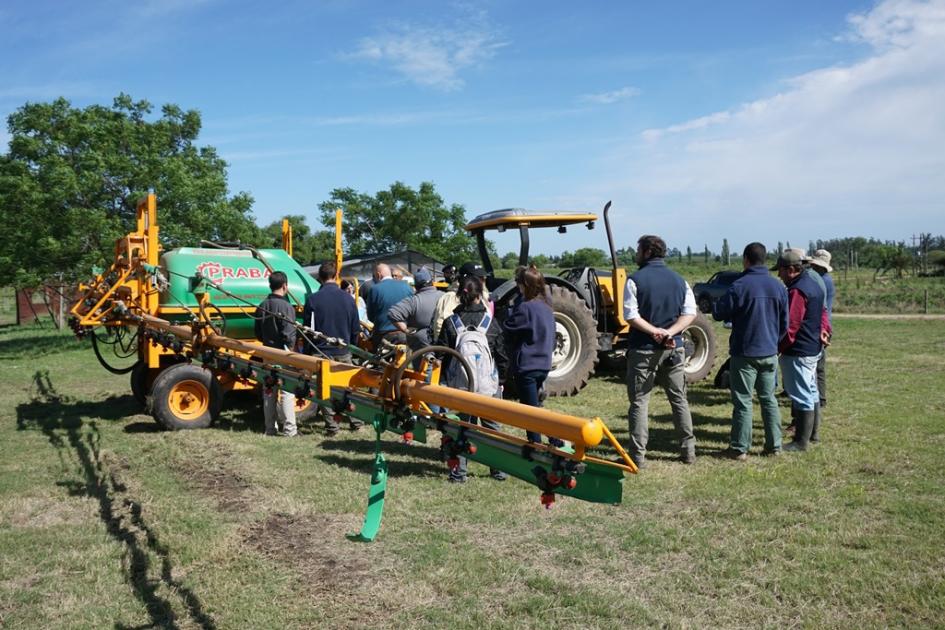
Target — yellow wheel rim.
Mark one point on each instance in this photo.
(189, 400)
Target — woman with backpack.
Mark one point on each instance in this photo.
(530, 333)
(464, 331)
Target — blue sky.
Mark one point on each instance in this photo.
(765, 121)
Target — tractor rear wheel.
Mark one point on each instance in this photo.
(699, 341)
(185, 396)
(575, 353)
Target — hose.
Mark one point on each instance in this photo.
(101, 359)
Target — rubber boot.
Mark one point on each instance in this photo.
(805, 424)
(815, 431)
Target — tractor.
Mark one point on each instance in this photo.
(587, 302)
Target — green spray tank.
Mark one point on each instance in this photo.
(238, 281)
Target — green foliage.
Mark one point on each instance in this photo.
(584, 257)
(937, 259)
(401, 218)
(509, 261)
(307, 247)
(72, 178)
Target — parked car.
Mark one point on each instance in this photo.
(708, 292)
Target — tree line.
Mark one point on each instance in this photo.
(71, 178)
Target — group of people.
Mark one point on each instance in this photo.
(776, 326)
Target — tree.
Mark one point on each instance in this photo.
(937, 259)
(688, 254)
(70, 183)
(707, 254)
(509, 261)
(401, 218)
(780, 248)
(726, 257)
(307, 247)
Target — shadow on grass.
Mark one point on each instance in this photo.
(364, 464)
(34, 345)
(77, 440)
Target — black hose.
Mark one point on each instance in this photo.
(105, 364)
(435, 349)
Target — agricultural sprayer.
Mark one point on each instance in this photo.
(188, 315)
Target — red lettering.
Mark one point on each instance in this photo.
(241, 273)
(267, 273)
(227, 272)
(255, 273)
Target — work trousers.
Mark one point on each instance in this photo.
(666, 368)
(279, 409)
(758, 374)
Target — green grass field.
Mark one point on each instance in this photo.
(107, 522)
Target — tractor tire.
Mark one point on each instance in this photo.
(185, 396)
(699, 341)
(575, 354)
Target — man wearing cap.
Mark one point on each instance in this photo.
(450, 300)
(416, 311)
(659, 305)
(820, 262)
(757, 306)
(384, 293)
(802, 344)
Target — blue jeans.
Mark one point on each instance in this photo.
(528, 385)
(800, 381)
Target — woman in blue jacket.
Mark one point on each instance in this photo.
(530, 335)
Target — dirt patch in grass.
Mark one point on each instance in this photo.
(308, 544)
(352, 584)
(212, 477)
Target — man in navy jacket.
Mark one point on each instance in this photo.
(757, 305)
(332, 312)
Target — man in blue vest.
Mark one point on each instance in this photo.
(801, 345)
(659, 305)
(757, 306)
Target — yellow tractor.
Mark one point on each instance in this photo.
(588, 303)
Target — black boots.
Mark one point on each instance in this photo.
(815, 432)
(805, 422)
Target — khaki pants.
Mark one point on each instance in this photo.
(279, 408)
(666, 368)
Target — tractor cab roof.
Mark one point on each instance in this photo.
(515, 217)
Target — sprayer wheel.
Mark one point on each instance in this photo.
(185, 396)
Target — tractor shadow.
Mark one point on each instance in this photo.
(401, 457)
(88, 473)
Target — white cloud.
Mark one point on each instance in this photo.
(431, 56)
(841, 150)
(608, 98)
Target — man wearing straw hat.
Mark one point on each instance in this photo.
(820, 263)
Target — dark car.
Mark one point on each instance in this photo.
(708, 292)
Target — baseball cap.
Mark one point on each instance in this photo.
(821, 258)
(422, 277)
(791, 256)
(472, 269)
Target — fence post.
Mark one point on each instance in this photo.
(926, 301)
